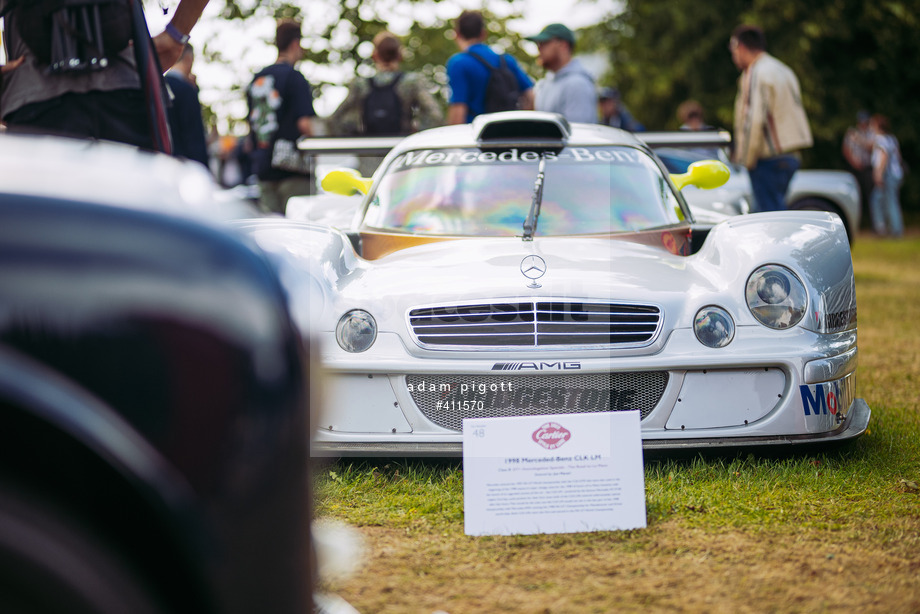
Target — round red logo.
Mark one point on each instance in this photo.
(551, 435)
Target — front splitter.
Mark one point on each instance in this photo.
(856, 423)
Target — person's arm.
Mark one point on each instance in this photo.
(11, 65)
(301, 94)
(848, 143)
(456, 113)
(187, 14)
(769, 100)
(305, 126)
(429, 113)
(749, 126)
(527, 100)
(346, 120)
(524, 83)
(879, 163)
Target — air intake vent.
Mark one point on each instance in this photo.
(535, 324)
(446, 399)
(549, 129)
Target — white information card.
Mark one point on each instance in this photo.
(565, 473)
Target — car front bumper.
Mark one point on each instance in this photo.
(748, 399)
(855, 425)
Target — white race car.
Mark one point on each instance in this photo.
(521, 265)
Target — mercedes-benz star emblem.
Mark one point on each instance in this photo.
(533, 268)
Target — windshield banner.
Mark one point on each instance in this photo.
(459, 157)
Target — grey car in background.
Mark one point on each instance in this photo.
(813, 190)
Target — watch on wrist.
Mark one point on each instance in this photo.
(174, 34)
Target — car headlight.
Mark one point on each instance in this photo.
(356, 331)
(776, 297)
(713, 327)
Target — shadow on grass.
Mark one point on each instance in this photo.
(859, 450)
(845, 450)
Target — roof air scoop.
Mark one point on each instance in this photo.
(528, 128)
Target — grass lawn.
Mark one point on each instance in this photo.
(810, 532)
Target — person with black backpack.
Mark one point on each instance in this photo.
(482, 81)
(390, 103)
(102, 77)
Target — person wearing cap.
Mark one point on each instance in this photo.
(613, 113)
(857, 149)
(770, 122)
(569, 89)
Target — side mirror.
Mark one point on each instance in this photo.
(346, 182)
(705, 174)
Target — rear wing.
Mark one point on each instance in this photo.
(380, 146)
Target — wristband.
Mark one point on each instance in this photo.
(174, 34)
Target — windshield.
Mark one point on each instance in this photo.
(471, 192)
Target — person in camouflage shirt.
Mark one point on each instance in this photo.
(419, 108)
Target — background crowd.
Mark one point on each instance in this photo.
(770, 125)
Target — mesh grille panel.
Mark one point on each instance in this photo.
(542, 323)
(447, 399)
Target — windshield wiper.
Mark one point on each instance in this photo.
(530, 224)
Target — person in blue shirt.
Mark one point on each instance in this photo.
(467, 76)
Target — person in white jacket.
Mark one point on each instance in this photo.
(770, 122)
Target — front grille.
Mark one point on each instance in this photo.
(535, 324)
(447, 399)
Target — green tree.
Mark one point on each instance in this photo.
(338, 34)
(848, 54)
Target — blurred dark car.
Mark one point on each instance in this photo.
(153, 393)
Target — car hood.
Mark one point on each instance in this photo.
(326, 279)
(460, 271)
